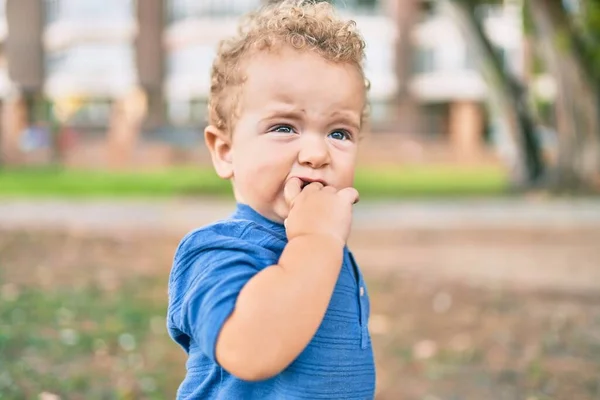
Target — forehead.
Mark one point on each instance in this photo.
(303, 77)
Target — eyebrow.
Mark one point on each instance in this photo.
(283, 110)
(346, 117)
(286, 110)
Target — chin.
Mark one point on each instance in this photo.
(279, 216)
(279, 213)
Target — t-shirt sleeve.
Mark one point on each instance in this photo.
(209, 271)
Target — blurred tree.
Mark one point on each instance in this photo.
(406, 14)
(566, 35)
(24, 53)
(507, 94)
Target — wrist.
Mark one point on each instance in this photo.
(313, 251)
(321, 239)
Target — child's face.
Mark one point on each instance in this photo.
(299, 115)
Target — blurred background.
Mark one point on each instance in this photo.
(478, 228)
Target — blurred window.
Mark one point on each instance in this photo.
(485, 11)
(188, 113)
(357, 6)
(92, 59)
(55, 61)
(435, 125)
(93, 112)
(428, 9)
(424, 60)
(3, 21)
(183, 9)
(52, 10)
(470, 58)
(508, 57)
(191, 59)
(89, 10)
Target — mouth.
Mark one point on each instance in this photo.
(308, 181)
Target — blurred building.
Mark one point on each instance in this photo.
(89, 48)
(117, 73)
(445, 78)
(194, 29)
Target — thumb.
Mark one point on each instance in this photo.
(349, 194)
(292, 188)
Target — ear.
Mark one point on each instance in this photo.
(219, 145)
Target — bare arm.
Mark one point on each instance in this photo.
(280, 309)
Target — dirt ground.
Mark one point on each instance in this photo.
(456, 314)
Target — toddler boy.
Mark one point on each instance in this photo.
(269, 303)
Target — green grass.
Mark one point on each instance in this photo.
(86, 343)
(378, 182)
(431, 181)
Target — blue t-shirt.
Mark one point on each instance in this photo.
(212, 265)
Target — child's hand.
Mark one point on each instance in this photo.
(319, 210)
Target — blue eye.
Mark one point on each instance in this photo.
(340, 135)
(282, 129)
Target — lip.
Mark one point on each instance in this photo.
(307, 181)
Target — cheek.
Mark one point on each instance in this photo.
(346, 165)
(271, 165)
(349, 175)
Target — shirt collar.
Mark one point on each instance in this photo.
(244, 211)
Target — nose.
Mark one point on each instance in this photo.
(314, 151)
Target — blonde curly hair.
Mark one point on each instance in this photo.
(302, 24)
